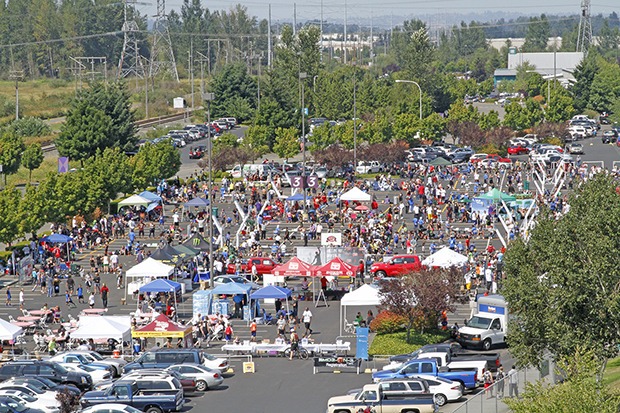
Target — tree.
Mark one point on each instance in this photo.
(287, 142)
(86, 129)
(109, 173)
(580, 391)
(32, 158)
(420, 297)
(235, 92)
(259, 139)
(584, 76)
(538, 32)
(11, 148)
(9, 216)
(562, 284)
(32, 209)
(520, 117)
(560, 106)
(322, 137)
(605, 88)
(154, 162)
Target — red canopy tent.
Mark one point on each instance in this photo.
(335, 268)
(163, 327)
(293, 268)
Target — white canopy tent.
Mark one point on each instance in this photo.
(445, 258)
(150, 268)
(9, 331)
(135, 200)
(365, 295)
(104, 327)
(356, 194)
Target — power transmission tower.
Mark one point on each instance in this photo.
(131, 61)
(162, 56)
(584, 38)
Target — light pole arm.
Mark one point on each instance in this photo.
(419, 88)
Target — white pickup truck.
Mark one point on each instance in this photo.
(372, 396)
(443, 360)
(371, 167)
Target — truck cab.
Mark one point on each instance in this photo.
(488, 327)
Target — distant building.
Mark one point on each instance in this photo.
(558, 65)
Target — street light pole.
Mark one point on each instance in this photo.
(302, 76)
(209, 97)
(354, 124)
(419, 88)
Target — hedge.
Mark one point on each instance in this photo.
(395, 343)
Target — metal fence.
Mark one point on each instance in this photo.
(492, 399)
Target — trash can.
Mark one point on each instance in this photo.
(215, 211)
(526, 185)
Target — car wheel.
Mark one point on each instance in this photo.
(486, 344)
(153, 409)
(440, 399)
(202, 385)
(381, 274)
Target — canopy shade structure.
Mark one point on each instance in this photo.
(161, 286)
(197, 241)
(335, 268)
(116, 327)
(162, 327)
(231, 289)
(150, 196)
(366, 295)
(150, 268)
(497, 196)
(297, 197)
(135, 200)
(440, 161)
(445, 258)
(293, 268)
(8, 331)
(197, 202)
(165, 253)
(57, 238)
(271, 291)
(355, 194)
(185, 250)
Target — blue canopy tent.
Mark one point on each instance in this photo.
(150, 196)
(297, 197)
(161, 285)
(272, 291)
(226, 289)
(197, 202)
(59, 239)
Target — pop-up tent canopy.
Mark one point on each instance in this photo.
(134, 200)
(293, 268)
(150, 268)
(116, 327)
(185, 251)
(165, 253)
(445, 258)
(365, 295)
(197, 202)
(440, 161)
(161, 285)
(497, 196)
(297, 197)
(57, 239)
(197, 241)
(231, 289)
(163, 327)
(8, 331)
(272, 291)
(150, 196)
(335, 268)
(355, 194)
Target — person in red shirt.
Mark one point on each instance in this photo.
(104, 295)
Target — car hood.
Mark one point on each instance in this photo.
(341, 399)
(94, 394)
(383, 374)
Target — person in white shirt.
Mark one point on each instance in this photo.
(306, 317)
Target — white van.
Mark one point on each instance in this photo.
(241, 171)
(488, 326)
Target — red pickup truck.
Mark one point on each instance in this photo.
(264, 265)
(398, 265)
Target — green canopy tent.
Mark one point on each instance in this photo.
(497, 196)
(440, 161)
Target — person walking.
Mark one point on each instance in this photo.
(294, 343)
(500, 382)
(307, 319)
(80, 294)
(104, 295)
(91, 299)
(68, 299)
(253, 331)
(513, 382)
(21, 299)
(8, 296)
(487, 377)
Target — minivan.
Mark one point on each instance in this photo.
(162, 358)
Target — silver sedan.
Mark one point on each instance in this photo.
(205, 377)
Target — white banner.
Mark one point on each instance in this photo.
(331, 238)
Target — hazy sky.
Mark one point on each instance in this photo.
(361, 10)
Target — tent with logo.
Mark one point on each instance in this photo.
(366, 296)
(197, 241)
(445, 258)
(164, 327)
(335, 268)
(293, 268)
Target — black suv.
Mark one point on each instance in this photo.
(48, 370)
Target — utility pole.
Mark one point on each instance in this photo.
(16, 75)
(321, 44)
(354, 119)
(302, 77)
(191, 67)
(208, 97)
(269, 39)
(345, 34)
(294, 19)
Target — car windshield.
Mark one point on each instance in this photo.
(95, 356)
(60, 369)
(28, 398)
(479, 322)
(15, 406)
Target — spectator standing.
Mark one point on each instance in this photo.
(513, 382)
(21, 299)
(104, 295)
(307, 319)
(8, 296)
(91, 299)
(500, 382)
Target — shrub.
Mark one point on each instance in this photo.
(29, 126)
(396, 343)
(387, 322)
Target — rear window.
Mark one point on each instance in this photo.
(10, 370)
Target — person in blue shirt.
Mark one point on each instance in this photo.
(80, 294)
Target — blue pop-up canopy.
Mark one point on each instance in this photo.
(271, 291)
(231, 289)
(297, 197)
(150, 196)
(197, 202)
(57, 238)
(161, 285)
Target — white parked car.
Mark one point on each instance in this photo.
(46, 397)
(443, 389)
(205, 377)
(111, 408)
(97, 375)
(215, 363)
(31, 401)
